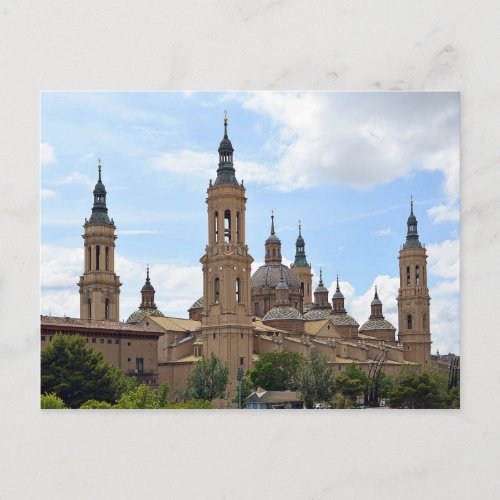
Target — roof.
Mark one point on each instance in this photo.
(199, 303)
(269, 275)
(282, 312)
(177, 324)
(136, 316)
(313, 314)
(92, 324)
(313, 327)
(377, 324)
(273, 397)
(343, 319)
(260, 327)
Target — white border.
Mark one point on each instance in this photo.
(155, 45)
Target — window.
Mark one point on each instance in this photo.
(216, 226)
(241, 334)
(214, 336)
(242, 361)
(237, 227)
(94, 340)
(216, 290)
(238, 291)
(139, 365)
(110, 341)
(128, 343)
(89, 305)
(102, 341)
(90, 258)
(117, 341)
(409, 320)
(227, 226)
(129, 359)
(97, 255)
(274, 252)
(43, 338)
(417, 275)
(408, 275)
(257, 309)
(107, 258)
(106, 309)
(302, 289)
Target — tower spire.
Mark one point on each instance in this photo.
(99, 209)
(321, 277)
(338, 287)
(272, 222)
(412, 240)
(99, 168)
(225, 172)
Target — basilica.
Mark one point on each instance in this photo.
(242, 315)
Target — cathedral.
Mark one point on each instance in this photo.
(243, 315)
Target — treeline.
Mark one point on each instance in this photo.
(76, 376)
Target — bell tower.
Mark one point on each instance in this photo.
(226, 318)
(302, 269)
(99, 285)
(413, 297)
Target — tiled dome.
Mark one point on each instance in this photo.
(136, 316)
(317, 314)
(377, 324)
(282, 312)
(199, 303)
(268, 276)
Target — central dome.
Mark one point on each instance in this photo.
(268, 276)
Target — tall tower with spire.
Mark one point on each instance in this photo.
(413, 297)
(321, 294)
(99, 285)
(302, 269)
(226, 319)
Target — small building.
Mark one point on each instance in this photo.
(273, 400)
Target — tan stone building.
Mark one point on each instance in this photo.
(239, 316)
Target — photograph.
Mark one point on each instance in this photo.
(250, 250)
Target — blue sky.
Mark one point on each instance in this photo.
(345, 164)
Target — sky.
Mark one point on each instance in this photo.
(343, 163)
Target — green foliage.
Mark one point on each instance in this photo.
(351, 384)
(208, 379)
(453, 397)
(93, 404)
(385, 385)
(277, 371)
(416, 390)
(51, 402)
(77, 373)
(247, 387)
(341, 402)
(315, 379)
(192, 404)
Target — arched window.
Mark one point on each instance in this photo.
(90, 258)
(408, 275)
(409, 321)
(216, 290)
(227, 226)
(424, 321)
(238, 291)
(274, 252)
(237, 227)
(97, 255)
(216, 226)
(106, 309)
(107, 258)
(417, 275)
(302, 288)
(89, 306)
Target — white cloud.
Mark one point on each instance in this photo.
(383, 232)
(444, 259)
(60, 266)
(48, 193)
(442, 213)
(47, 154)
(382, 137)
(199, 164)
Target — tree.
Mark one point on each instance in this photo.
(77, 373)
(351, 384)
(93, 404)
(453, 399)
(416, 390)
(247, 387)
(208, 379)
(51, 402)
(315, 379)
(277, 371)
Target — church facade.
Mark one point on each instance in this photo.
(241, 316)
